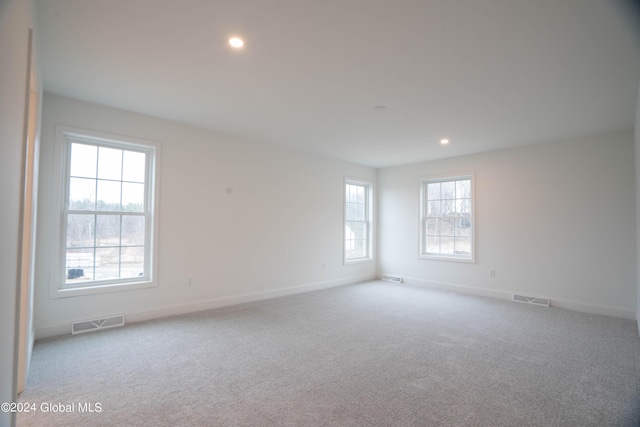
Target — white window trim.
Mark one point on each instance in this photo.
(422, 214)
(58, 267)
(370, 228)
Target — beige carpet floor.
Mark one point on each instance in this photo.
(371, 354)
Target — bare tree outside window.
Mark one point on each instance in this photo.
(357, 213)
(447, 218)
(106, 217)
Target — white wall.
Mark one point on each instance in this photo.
(554, 220)
(16, 17)
(280, 223)
(637, 158)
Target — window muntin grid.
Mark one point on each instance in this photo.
(447, 218)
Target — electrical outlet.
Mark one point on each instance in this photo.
(492, 272)
(324, 265)
(189, 281)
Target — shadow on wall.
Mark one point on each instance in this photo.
(630, 10)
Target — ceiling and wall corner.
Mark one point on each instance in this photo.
(487, 74)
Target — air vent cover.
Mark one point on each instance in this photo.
(394, 279)
(531, 300)
(94, 325)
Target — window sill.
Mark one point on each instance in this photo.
(101, 289)
(357, 261)
(447, 258)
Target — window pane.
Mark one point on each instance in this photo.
(352, 211)
(447, 207)
(82, 194)
(361, 248)
(80, 230)
(463, 226)
(433, 208)
(352, 193)
(352, 231)
(133, 166)
(356, 221)
(463, 206)
(462, 245)
(447, 224)
(356, 230)
(132, 262)
(79, 265)
(356, 248)
(433, 226)
(105, 213)
(348, 246)
(446, 227)
(433, 191)
(133, 230)
(446, 245)
(448, 190)
(132, 197)
(463, 189)
(107, 263)
(109, 163)
(108, 230)
(433, 244)
(83, 160)
(108, 196)
(355, 211)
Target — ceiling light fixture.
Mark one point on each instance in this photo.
(236, 42)
(444, 141)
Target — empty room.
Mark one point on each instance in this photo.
(320, 213)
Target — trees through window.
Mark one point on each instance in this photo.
(447, 218)
(358, 218)
(107, 212)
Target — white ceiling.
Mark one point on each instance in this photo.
(487, 74)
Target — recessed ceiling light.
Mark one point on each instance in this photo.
(236, 42)
(444, 141)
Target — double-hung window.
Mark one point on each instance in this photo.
(107, 213)
(358, 221)
(446, 218)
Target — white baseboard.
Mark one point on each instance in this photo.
(501, 294)
(585, 307)
(190, 307)
(446, 286)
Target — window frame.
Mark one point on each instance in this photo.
(422, 217)
(368, 185)
(65, 136)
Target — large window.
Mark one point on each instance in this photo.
(107, 219)
(357, 221)
(446, 218)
